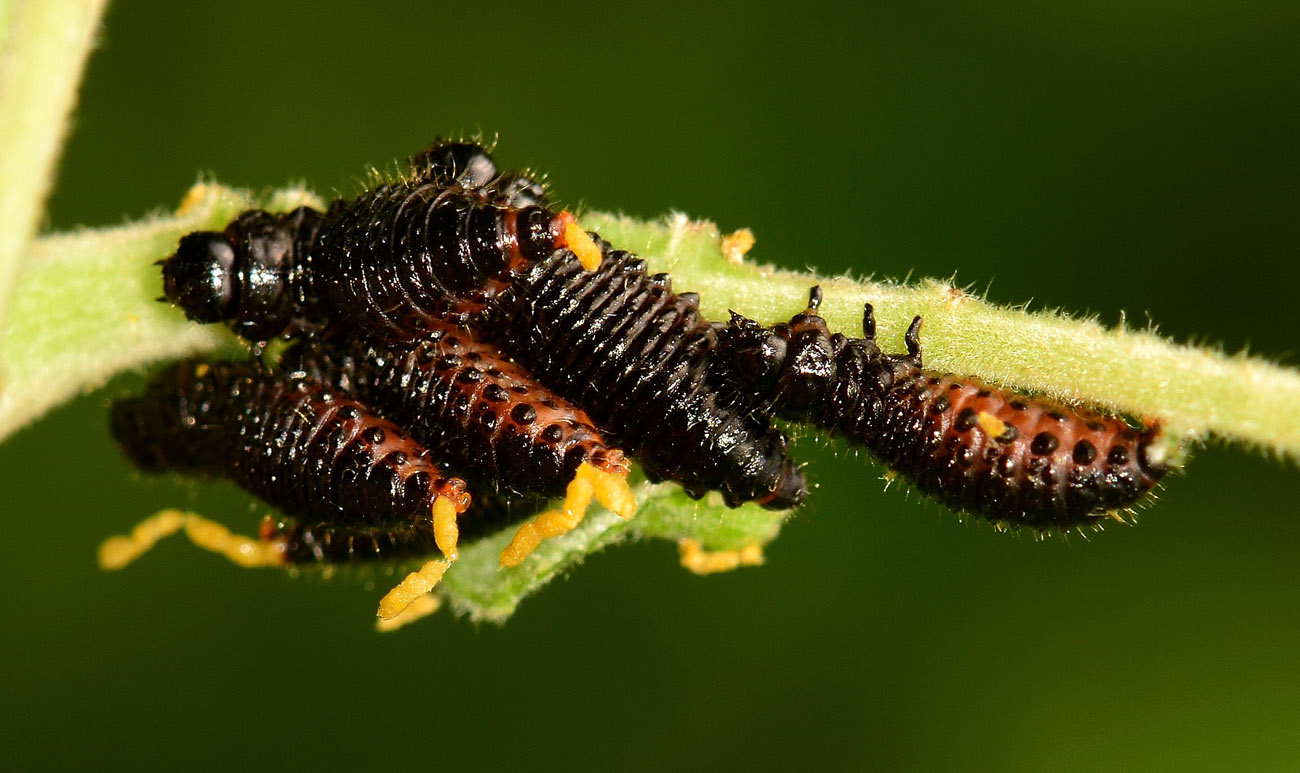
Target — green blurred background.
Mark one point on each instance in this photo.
(1139, 158)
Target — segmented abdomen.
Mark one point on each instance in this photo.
(297, 445)
(402, 258)
(1008, 457)
(471, 407)
(635, 355)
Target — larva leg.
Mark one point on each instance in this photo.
(607, 487)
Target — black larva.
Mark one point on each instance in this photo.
(1013, 459)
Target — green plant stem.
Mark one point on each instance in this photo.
(43, 47)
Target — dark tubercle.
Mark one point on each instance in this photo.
(635, 355)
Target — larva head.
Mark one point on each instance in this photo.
(467, 163)
(790, 487)
(241, 275)
(200, 276)
(793, 364)
(754, 355)
(754, 467)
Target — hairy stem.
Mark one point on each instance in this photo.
(43, 47)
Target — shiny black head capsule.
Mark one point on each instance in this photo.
(200, 277)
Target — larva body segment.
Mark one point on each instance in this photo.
(636, 356)
(1013, 459)
(472, 408)
(404, 258)
(397, 261)
(298, 445)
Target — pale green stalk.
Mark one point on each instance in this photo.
(43, 48)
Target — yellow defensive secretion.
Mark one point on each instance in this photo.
(581, 245)
(608, 488)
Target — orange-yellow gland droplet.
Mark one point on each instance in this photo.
(579, 243)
